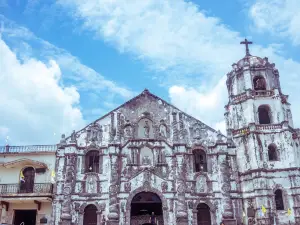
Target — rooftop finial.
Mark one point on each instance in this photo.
(246, 42)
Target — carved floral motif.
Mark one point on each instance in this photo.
(127, 187)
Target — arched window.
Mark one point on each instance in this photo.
(259, 83)
(200, 161)
(264, 114)
(27, 180)
(92, 161)
(279, 200)
(272, 152)
(90, 215)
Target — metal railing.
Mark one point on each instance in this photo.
(28, 148)
(37, 188)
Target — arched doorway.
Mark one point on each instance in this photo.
(90, 215)
(203, 214)
(27, 180)
(143, 205)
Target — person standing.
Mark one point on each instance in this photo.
(152, 218)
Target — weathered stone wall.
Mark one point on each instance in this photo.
(260, 177)
(155, 156)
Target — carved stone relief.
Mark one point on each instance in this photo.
(201, 184)
(91, 185)
(199, 133)
(145, 128)
(94, 133)
(128, 132)
(127, 187)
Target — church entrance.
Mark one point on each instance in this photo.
(90, 215)
(203, 214)
(146, 208)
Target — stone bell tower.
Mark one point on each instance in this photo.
(259, 121)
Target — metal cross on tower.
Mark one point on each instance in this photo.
(246, 42)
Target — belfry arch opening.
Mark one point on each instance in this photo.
(145, 208)
(203, 214)
(259, 83)
(264, 114)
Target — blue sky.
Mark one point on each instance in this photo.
(65, 63)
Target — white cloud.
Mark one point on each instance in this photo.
(33, 104)
(175, 36)
(170, 35)
(279, 17)
(80, 75)
(208, 106)
(49, 82)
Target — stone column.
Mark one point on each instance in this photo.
(113, 215)
(66, 217)
(99, 216)
(195, 211)
(227, 215)
(80, 218)
(112, 131)
(174, 127)
(181, 213)
(3, 219)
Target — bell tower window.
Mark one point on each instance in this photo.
(264, 114)
(259, 83)
(200, 161)
(92, 161)
(272, 152)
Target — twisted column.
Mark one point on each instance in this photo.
(181, 213)
(66, 217)
(225, 190)
(113, 216)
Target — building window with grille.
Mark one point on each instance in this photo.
(272, 152)
(200, 161)
(92, 161)
(279, 200)
(264, 113)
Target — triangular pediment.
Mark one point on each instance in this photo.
(145, 116)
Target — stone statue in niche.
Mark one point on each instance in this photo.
(128, 131)
(201, 184)
(73, 136)
(162, 129)
(164, 186)
(146, 129)
(91, 185)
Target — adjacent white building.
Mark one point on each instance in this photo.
(25, 183)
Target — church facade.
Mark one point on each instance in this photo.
(147, 157)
